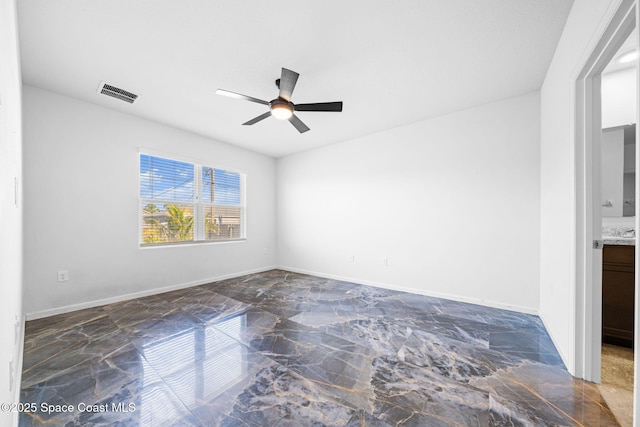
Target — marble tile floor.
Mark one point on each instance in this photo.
(287, 349)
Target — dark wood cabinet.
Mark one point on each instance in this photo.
(618, 294)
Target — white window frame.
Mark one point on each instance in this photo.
(198, 205)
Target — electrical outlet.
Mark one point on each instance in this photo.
(352, 259)
(63, 276)
(385, 261)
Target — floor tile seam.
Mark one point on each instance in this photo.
(126, 333)
(190, 300)
(85, 364)
(155, 318)
(114, 329)
(215, 319)
(123, 322)
(480, 348)
(174, 394)
(530, 396)
(492, 350)
(361, 413)
(350, 352)
(342, 338)
(497, 324)
(71, 347)
(89, 362)
(84, 343)
(59, 373)
(318, 385)
(522, 353)
(374, 352)
(54, 330)
(328, 346)
(491, 322)
(530, 405)
(447, 379)
(225, 333)
(137, 316)
(289, 365)
(238, 296)
(543, 420)
(401, 319)
(440, 336)
(277, 313)
(42, 363)
(133, 339)
(503, 348)
(467, 385)
(485, 410)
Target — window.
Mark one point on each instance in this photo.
(184, 202)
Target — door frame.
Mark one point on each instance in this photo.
(587, 315)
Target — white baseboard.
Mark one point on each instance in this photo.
(564, 358)
(478, 301)
(18, 369)
(125, 297)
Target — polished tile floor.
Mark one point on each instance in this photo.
(286, 349)
(617, 382)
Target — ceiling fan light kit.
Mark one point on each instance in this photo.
(282, 108)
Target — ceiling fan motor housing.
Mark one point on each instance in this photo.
(281, 108)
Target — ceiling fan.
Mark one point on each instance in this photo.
(282, 108)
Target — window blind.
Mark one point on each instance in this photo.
(187, 202)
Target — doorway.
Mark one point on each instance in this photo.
(618, 209)
(588, 137)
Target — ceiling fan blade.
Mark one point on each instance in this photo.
(240, 96)
(288, 81)
(319, 106)
(297, 123)
(257, 119)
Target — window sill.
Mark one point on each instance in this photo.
(192, 243)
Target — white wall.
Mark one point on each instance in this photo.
(618, 98)
(81, 206)
(10, 213)
(557, 214)
(452, 203)
(612, 172)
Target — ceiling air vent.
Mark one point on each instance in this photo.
(116, 92)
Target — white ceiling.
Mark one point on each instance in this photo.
(630, 44)
(390, 62)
